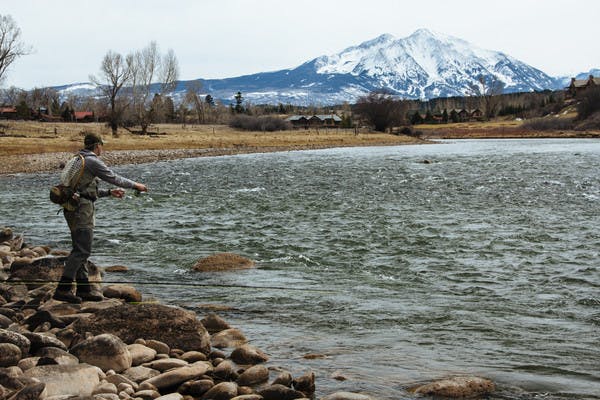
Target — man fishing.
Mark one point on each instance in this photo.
(80, 217)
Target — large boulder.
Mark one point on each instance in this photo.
(105, 351)
(47, 269)
(176, 327)
(67, 380)
(457, 387)
(17, 339)
(10, 354)
(223, 262)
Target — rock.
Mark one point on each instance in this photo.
(119, 380)
(193, 356)
(116, 268)
(222, 391)
(47, 269)
(248, 397)
(147, 394)
(166, 364)
(67, 380)
(140, 354)
(171, 396)
(457, 387)
(305, 383)
(41, 317)
(17, 339)
(105, 387)
(347, 396)
(6, 234)
(175, 327)
(213, 323)
(104, 396)
(248, 354)
(60, 356)
(121, 291)
(40, 340)
(13, 292)
(223, 262)
(255, 375)
(33, 391)
(179, 375)
(225, 370)
(284, 378)
(27, 363)
(228, 338)
(160, 347)
(196, 388)
(105, 351)
(280, 392)
(10, 354)
(140, 373)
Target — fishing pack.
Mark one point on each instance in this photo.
(65, 193)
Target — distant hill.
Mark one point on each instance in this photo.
(423, 65)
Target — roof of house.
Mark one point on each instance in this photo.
(83, 114)
(8, 109)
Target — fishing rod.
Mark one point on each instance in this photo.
(165, 283)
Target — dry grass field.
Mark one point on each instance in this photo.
(22, 142)
(39, 137)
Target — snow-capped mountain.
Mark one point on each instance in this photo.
(423, 65)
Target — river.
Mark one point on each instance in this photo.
(396, 264)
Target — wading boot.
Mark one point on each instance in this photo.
(63, 291)
(86, 292)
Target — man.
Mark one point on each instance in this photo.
(81, 220)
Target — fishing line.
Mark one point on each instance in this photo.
(165, 283)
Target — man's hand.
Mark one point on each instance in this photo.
(118, 193)
(140, 187)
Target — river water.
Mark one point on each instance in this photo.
(395, 264)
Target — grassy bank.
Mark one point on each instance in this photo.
(37, 137)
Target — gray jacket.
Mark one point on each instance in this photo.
(95, 169)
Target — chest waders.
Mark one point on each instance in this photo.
(81, 221)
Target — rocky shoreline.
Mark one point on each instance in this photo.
(123, 348)
(53, 162)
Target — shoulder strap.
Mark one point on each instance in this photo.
(80, 171)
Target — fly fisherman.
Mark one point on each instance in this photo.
(81, 219)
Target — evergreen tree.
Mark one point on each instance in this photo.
(239, 107)
(454, 116)
(23, 110)
(209, 100)
(445, 116)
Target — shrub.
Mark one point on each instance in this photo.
(589, 104)
(264, 124)
(548, 124)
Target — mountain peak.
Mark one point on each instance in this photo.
(424, 65)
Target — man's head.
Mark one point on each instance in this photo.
(91, 140)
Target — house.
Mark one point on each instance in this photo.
(579, 85)
(83, 116)
(475, 114)
(315, 121)
(298, 121)
(8, 112)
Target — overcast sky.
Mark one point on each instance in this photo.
(226, 38)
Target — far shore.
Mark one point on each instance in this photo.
(30, 147)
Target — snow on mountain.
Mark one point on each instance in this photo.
(423, 65)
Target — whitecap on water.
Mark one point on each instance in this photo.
(114, 241)
(251, 190)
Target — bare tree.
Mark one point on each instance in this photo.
(148, 68)
(192, 97)
(488, 89)
(11, 46)
(381, 110)
(115, 72)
